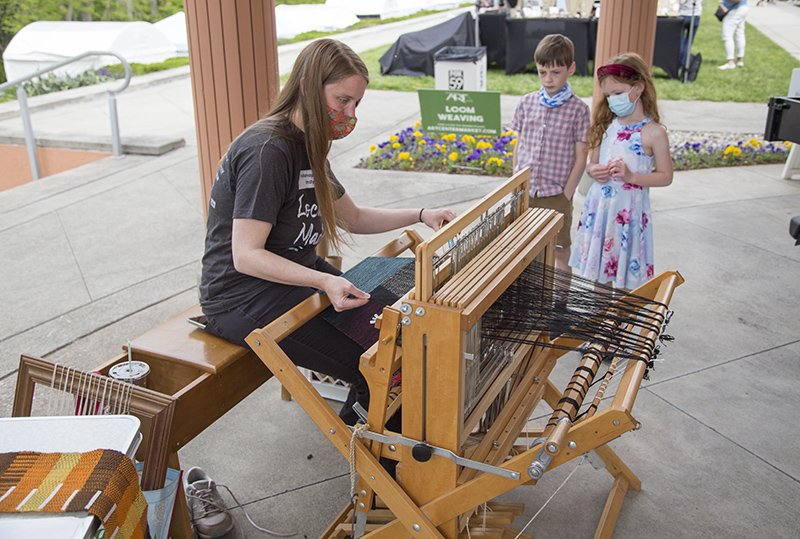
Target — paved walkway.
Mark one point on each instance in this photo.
(98, 255)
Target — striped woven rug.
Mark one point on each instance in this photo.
(102, 482)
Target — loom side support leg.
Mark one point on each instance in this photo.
(605, 529)
(624, 479)
(616, 467)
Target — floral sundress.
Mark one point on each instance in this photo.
(614, 239)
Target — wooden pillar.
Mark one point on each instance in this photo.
(233, 57)
(624, 26)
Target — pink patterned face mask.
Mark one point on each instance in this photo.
(341, 123)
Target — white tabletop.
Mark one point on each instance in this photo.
(68, 434)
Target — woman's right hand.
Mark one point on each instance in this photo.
(343, 294)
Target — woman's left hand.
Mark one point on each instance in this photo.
(436, 217)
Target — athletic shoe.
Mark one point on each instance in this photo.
(727, 66)
(207, 510)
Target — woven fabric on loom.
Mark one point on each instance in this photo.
(386, 280)
(102, 482)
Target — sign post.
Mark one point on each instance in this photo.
(461, 112)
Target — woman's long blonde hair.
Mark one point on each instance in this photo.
(323, 62)
(638, 72)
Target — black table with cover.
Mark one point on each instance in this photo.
(523, 35)
(511, 43)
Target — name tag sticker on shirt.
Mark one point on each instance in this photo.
(306, 180)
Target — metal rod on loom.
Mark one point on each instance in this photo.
(464, 248)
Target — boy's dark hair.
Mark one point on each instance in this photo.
(555, 49)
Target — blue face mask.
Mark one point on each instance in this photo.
(620, 104)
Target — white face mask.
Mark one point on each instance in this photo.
(620, 104)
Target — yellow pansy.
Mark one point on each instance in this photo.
(394, 138)
(403, 155)
(453, 156)
(423, 142)
(417, 123)
(396, 145)
(417, 134)
(373, 148)
(755, 143)
(729, 149)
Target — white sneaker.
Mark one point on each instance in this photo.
(727, 66)
(207, 510)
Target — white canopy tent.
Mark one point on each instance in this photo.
(386, 9)
(291, 20)
(174, 28)
(44, 43)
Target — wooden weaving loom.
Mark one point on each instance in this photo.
(463, 415)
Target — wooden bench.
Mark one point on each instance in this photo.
(206, 374)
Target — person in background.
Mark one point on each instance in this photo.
(689, 9)
(551, 125)
(274, 199)
(733, 33)
(614, 238)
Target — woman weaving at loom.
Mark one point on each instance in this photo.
(273, 198)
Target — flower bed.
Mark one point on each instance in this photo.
(705, 154)
(413, 150)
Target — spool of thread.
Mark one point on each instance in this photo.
(133, 372)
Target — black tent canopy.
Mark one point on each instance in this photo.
(412, 54)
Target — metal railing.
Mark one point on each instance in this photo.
(24, 112)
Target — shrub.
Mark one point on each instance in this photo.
(52, 83)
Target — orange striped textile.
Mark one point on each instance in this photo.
(102, 482)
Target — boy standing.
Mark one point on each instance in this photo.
(551, 126)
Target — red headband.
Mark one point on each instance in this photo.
(618, 70)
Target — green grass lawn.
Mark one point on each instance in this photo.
(766, 73)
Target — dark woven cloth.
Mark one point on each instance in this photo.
(385, 280)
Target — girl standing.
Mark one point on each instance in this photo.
(614, 239)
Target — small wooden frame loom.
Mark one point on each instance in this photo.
(465, 405)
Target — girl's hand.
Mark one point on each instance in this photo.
(599, 173)
(343, 294)
(620, 170)
(435, 217)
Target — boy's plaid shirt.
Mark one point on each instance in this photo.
(546, 140)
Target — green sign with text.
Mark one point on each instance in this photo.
(454, 111)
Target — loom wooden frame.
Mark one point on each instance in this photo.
(152, 407)
(435, 499)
